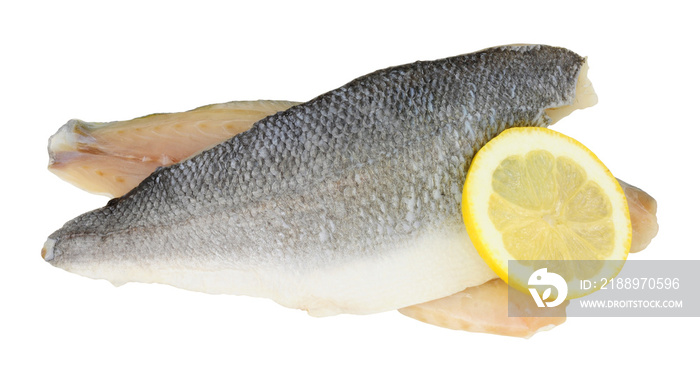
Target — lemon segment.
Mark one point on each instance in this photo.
(534, 195)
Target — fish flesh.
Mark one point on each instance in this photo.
(485, 309)
(642, 208)
(349, 203)
(111, 158)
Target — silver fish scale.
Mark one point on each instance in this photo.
(379, 160)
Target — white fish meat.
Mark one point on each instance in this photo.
(485, 309)
(111, 158)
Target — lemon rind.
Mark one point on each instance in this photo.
(518, 141)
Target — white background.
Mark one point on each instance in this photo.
(67, 59)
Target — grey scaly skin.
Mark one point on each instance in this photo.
(349, 203)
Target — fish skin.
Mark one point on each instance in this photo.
(349, 203)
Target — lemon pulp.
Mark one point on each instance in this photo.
(535, 195)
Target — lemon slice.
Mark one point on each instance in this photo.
(535, 198)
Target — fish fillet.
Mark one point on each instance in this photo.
(349, 203)
(642, 209)
(111, 158)
(484, 309)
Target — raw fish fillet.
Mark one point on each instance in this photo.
(642, 209)
(484, 308)
(111, 158)
(349, 203)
